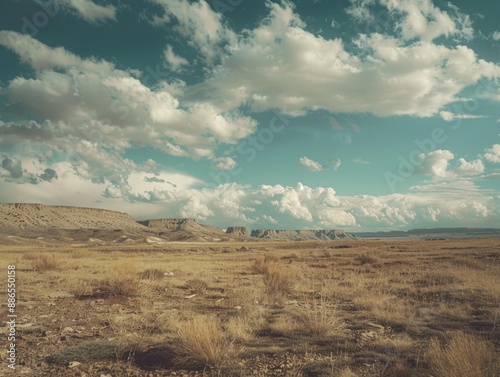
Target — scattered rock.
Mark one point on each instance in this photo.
(74, 364)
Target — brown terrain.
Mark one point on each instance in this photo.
(99, 294)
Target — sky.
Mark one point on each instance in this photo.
(360, 115)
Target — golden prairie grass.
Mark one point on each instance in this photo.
(278, 280)
(319, 318)
(82, 254)
(153, 274)
(413, 294)
(204, 340)
(130, 335)
(197, 285)
(347, 372)
(122, 279)
(82, 287)
(45, 262)
(286, 324)
(247, 321)
(367, 259)
(464, 356)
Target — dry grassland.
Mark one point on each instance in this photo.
(343, 308)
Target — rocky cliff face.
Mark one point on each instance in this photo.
(321, 234)
(171, 224)
(25, 216)
(238, 231)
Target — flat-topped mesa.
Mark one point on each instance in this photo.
(238, 231)
(173, 223)
(321, 234)
(16, 216)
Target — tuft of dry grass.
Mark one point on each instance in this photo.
(246, 323)
(203, 340)
(128, 336)
(278, 280)
(259, 265)
(152, 274)
(347, 372)
(82, 254)
(318, 318)
(464, 356)
(197, 285)
(123, 279)
(82, 287)
(285, 324)
(45, 262)
(367, 259)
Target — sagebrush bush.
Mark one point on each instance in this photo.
(367, 259)
(152, 274)
(44, 262)
(122, 279)
(197, 285)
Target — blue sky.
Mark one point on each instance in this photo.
(354, 114)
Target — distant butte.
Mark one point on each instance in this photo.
(33, 220)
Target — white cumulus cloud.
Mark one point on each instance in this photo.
(386, 76)
(89, 10)
(198, 23)
(175, 62)
(470, 168)
(435, 163)
(310, 164)
(493, 154)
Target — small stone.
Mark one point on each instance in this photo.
(68, 330)
(74, 364)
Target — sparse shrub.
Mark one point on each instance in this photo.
(44, 262)
(436, 279)
(259, 265)
(80, 254)
(464, 356)
(318, 318)
(347, 372)
(278, 280)
(366, 259)
(285, 325)
(82, 287)
(197, 285)
(269, 258)
(94, 350)
(135, 332)
(246, 323)
(30, 256)
(123, 279)
(203, 340)
(152, 274)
